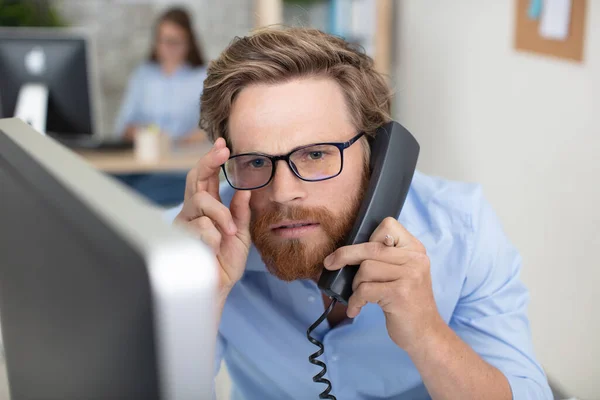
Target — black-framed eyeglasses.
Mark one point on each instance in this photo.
(312, 163)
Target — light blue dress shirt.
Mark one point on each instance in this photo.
(170, 101)
(475, 274)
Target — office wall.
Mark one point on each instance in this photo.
(122, 30)
(527, 128)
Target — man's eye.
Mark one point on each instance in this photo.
(315, 155)
(257, 163)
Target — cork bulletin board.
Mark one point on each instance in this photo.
(528, 38)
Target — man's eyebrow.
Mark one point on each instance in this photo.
(234, 153)
(258, 152)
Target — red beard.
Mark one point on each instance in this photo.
(292, 259)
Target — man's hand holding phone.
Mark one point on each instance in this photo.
(394, 273)
(225, 230)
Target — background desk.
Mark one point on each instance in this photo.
(162, 182)
(180, 159)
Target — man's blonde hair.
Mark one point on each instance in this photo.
(276, 55)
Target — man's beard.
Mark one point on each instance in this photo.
(292, 259)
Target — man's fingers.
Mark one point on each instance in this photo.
(357, 253)
(402, 237)
(203, 204)
(376, 271)
(213, 186)
(190, 183)
(366, 292)
(206, 231)
(240, 209)
(213, 180)
(207, 167)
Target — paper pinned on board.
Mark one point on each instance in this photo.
(555, 19)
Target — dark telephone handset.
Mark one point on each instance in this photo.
(394, 154)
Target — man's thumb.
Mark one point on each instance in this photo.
(240, 209)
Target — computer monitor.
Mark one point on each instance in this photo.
(47, 80)
(100, 297)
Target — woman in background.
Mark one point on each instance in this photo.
(165, 92)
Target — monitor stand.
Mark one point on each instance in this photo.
(32, 105)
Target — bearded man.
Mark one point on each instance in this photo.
(441, 313)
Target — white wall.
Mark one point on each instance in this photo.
(528, 128)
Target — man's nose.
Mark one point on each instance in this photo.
(286, 186)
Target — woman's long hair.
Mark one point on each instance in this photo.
(181, 18)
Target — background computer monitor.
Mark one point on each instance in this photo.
(46, 80)
(100, 297)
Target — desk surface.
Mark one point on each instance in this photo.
(180, 159)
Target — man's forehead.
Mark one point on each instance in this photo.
(285, 142)
(277, 118)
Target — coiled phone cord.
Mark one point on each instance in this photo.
(313, 357)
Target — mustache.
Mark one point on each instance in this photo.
(281, 213)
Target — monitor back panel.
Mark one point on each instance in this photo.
(75, 301)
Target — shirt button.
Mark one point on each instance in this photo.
(311, 299)
(335, 357)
